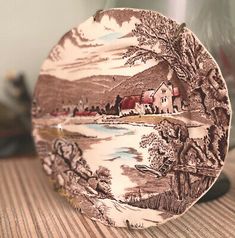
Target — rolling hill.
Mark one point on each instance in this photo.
(52, 92)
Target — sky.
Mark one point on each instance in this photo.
(95, 48)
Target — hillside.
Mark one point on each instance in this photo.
(52, 92)
(148, 79)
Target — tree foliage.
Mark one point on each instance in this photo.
(162, 39)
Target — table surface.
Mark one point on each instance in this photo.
(29, 207)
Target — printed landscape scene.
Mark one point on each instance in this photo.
(131, 118)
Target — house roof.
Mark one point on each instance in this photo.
(147, 97)
(129, 102)
(163, 83)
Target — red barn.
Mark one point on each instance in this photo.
(129, 105)
(147, 97)
(164, 99)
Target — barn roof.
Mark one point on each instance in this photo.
(129, 102)
(147, 97)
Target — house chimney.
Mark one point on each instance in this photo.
(176, 92)
(169, 84)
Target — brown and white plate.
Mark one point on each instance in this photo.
(131, 118)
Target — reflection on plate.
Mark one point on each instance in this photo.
(131, 118)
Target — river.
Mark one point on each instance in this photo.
(119, 145)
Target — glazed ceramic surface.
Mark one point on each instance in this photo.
(131, 118)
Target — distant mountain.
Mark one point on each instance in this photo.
(147, 79)
(52, 92)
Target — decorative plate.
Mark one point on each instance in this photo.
(131, 118)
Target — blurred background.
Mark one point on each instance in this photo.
(30, 28)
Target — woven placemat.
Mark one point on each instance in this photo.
(30, 208)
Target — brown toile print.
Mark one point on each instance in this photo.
(131, 118)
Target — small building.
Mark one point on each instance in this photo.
(130, 105)
(146, 101)
(162, 98)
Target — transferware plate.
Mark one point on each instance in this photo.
(131, 118)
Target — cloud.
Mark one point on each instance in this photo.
(93, 30)
(95, 48)
(110, 37)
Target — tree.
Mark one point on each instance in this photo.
(171, 150)
(103, 177)
(102, 111)
(162, 39)
(107, 108)
(92, 109)
(67, 165)
(75, 110)
(97, 109)
(117, 104)
(71, 154)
